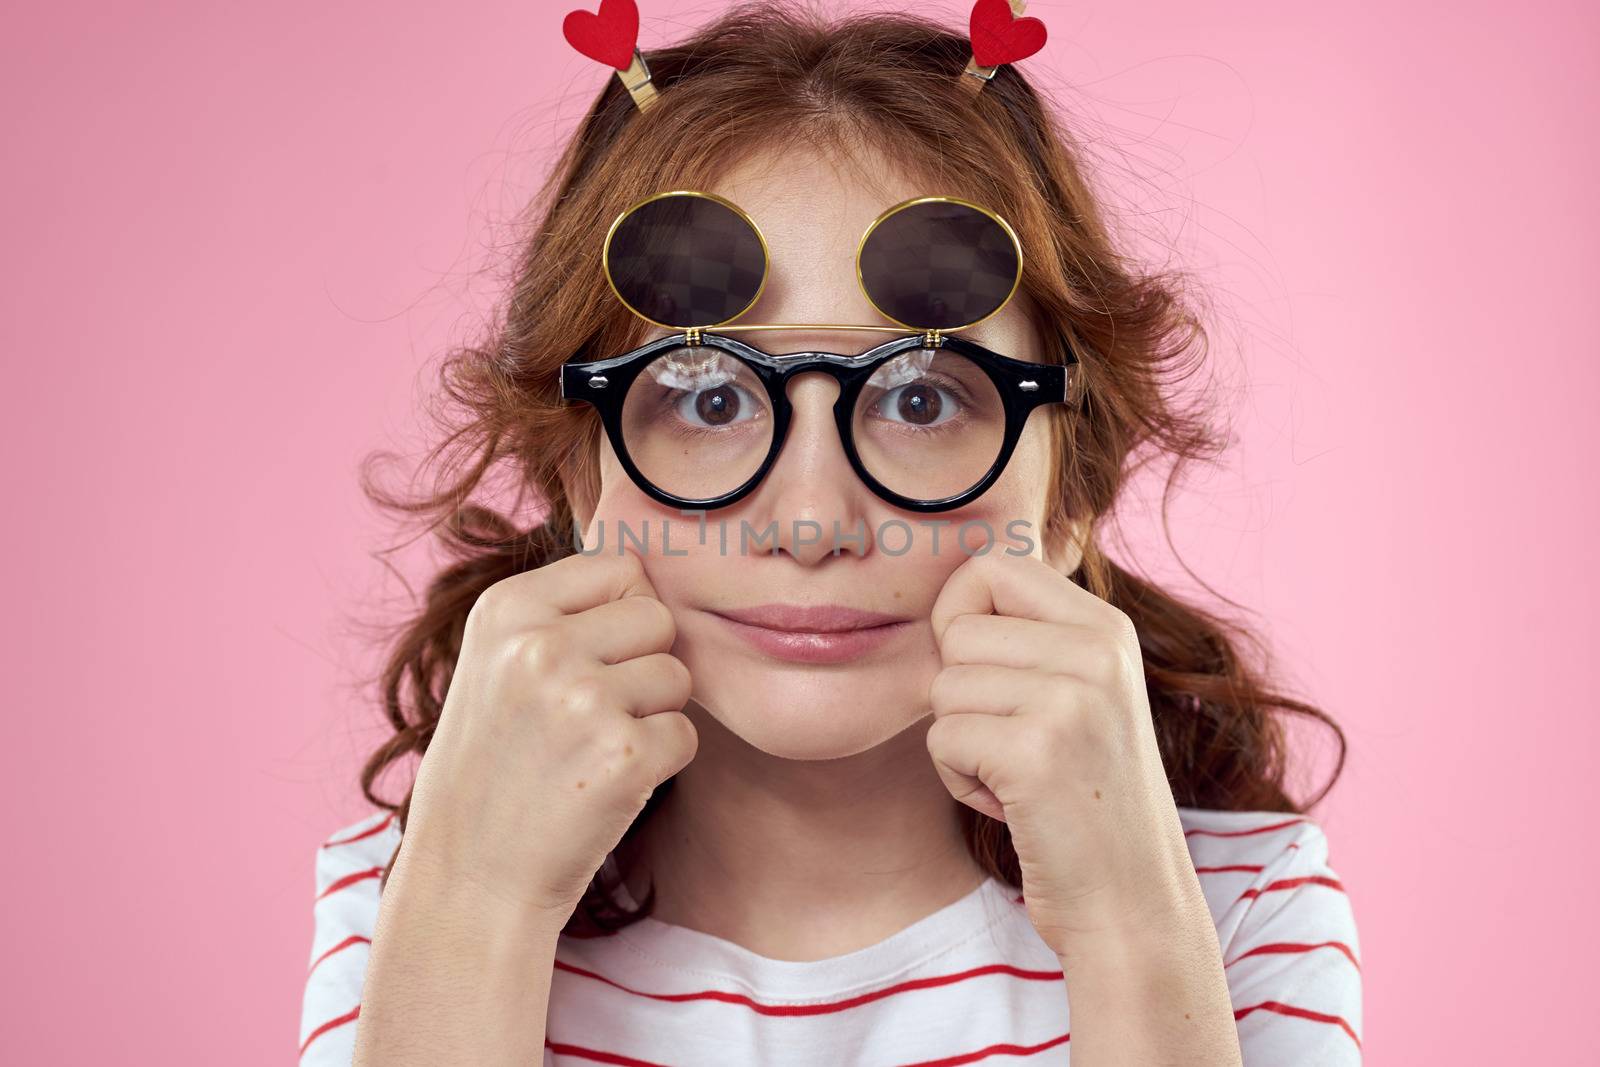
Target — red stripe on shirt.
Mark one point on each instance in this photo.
(1299, 1013)
(1291, 883)
(331, 1024)
(349, 880)
(994, 1050)
(596, 1055)
(1244, 833)
(822, 1009)
(378, 829)
(1289, 947)
(353, 939)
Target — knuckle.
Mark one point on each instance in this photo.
(1123, 626)
(957, 635)
(489, 610)
(662, 615)
(615, 747)
(1111, 650)
(940, 691)
(508, 603)
(691, 732)
(683, 681)
(540, 650)
(617, 754)
(586, 696)
(631, 566)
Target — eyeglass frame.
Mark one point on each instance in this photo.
(1022, 386)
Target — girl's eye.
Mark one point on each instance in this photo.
(918, 404)
(709, 409)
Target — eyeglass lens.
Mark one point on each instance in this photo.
(698, 423)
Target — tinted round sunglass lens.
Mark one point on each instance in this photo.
(929, 424)
(685, 259)
(939, 264)
(697, 422)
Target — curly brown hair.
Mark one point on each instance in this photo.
(761, 75)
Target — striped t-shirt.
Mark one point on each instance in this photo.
(970, 983)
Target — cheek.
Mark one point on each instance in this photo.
(1011, 513)
(667, 541)
(1026, 479)
(621, 503)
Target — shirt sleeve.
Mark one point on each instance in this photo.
(345, 911)
(1294, 962)
(345, 914)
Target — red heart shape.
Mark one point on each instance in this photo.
(608, 37)
(998, 36)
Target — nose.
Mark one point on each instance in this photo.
(811, 492)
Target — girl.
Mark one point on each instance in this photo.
(783, 775)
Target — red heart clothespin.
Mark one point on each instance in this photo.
(610, 36)
(999, 36)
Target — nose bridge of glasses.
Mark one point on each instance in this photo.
(809, 394)
(814, 368)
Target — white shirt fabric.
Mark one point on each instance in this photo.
(970, 983)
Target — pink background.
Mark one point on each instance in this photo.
(239, 233)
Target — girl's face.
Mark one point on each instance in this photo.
(813, 213)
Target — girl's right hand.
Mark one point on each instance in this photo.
(563, 715)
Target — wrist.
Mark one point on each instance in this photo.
(460, 898)
(1141, 942)
(456, 974)
(1151, 992)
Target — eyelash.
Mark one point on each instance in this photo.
(949, 385)
(688, 429)
(671, 401)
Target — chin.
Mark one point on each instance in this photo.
(807, 713)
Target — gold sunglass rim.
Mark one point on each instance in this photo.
(729, 325)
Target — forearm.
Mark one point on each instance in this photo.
(455, 975)
(1152, 996)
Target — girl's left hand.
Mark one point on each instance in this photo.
(1041, 720)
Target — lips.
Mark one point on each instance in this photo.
(830, 634)
(815, 619)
